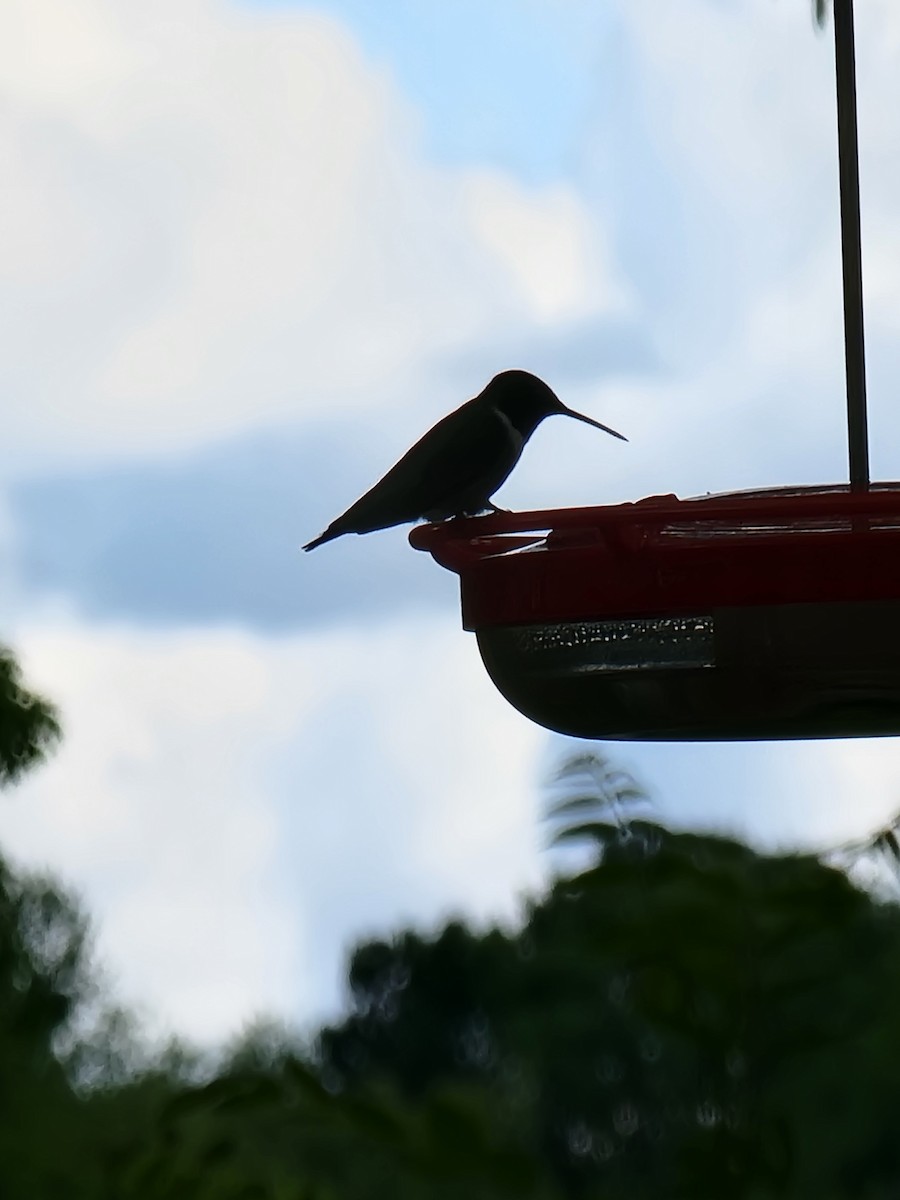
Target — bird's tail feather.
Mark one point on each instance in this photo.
(323, 537)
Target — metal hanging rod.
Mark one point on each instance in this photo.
(851, 247)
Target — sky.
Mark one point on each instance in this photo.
(250, 251)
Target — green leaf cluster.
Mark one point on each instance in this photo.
(682, 1017)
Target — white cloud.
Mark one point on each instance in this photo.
(548, 242)
(237, 810)
(741, 95)
(233, 828)
(216, 217)
(740, 99)
(149, 808)
(738, 102)
(852, 790)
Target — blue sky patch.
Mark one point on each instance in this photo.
(509, 82)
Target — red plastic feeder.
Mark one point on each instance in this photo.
(771, 614)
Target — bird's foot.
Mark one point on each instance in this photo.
(466, 513)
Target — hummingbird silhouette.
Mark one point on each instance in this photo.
(458, 465)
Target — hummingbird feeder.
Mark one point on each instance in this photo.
(752, 615)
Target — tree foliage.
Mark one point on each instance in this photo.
(684, 1017)
(681, 1017)
(29, 726)
(675, 1020)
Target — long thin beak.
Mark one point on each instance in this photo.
(570, 412)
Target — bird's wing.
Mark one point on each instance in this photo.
(460, 462)
(462, 469)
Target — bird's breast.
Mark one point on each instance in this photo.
(516, 440)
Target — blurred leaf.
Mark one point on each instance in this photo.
(307, 1082)
(228, 1094)
(595, 831)
(888, 844)
(374, 1118)
(29, 724)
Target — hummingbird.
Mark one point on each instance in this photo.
(458, 465)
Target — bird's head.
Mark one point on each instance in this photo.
(526, 400)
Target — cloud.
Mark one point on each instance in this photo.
(152, 815)
(216, 537)
(237, 810)
(548, 243)
(722, 185)
(506, 84)
(778, 795)
(236, 288)
(218, 220)
(740, 349)
(210, 176)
